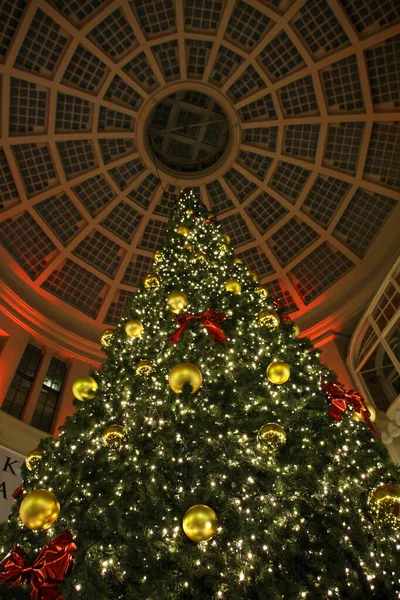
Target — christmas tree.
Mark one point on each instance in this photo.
(211, 456)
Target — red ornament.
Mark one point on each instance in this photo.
(48, 570)
(210, 319)
(341, 400)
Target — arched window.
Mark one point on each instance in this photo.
(49, 395)
(374, 356)
(18, 392)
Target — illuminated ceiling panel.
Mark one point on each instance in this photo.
(287, 123)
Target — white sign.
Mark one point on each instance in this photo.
(10, 478)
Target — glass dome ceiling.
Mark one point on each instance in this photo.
(301, 165)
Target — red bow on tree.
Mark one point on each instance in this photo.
(278, 305)
(49, 569)
(18, 492)
(341, 400)
(210, 319)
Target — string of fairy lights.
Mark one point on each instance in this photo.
(137, 401)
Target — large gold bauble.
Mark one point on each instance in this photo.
(200, 523)
(133, 328)
(85, 388)
(177, 302)
(106, 338)
(238, 261)
(233, 286)
(152, 281)
(386, 501)
(144, 367)
(183, 230)
(112, 436)
(296, 330)
(185, 373)
(39, 509)
(270, 437)
(253, 275)
(269, 318)
(33, 459)
(278, 372)
(200, 257)
(357, 417)
(261, 291)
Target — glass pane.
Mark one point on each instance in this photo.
(45, 409)
(387, 306)
(381, 378)
(30, 361)
(369, 338)
(55, 374)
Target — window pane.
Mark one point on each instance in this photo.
(381, 378)
(49, 395)
(55, 374)
(19, 389)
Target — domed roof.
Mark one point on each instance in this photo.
(282, 115)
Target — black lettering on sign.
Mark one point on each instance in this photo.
(3, 489)
(9, 464)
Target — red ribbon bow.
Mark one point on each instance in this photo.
(48, 570)
(341, 400)
(18, 492)
(210, 319)
(277, 306)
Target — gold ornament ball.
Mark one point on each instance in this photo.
(183, 230)
(238, 261)
(296, 330)
(269, 318)
(85, 388)
(152, 281)
(33, 459)
(144, 367)
(233, 286)
(357, 417)
(200, 523)
(278, 372)
(106, 338)
(253, 275)
(133, 328)
(200, 257)
(177, 302)
(386, 500)
(188, 247)
(185, 373)
(271, 436)
(112, 436)
(39, 509)
(261, 291)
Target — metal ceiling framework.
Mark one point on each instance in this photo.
(308, 191)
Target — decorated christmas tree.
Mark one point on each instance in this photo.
(212, 456)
